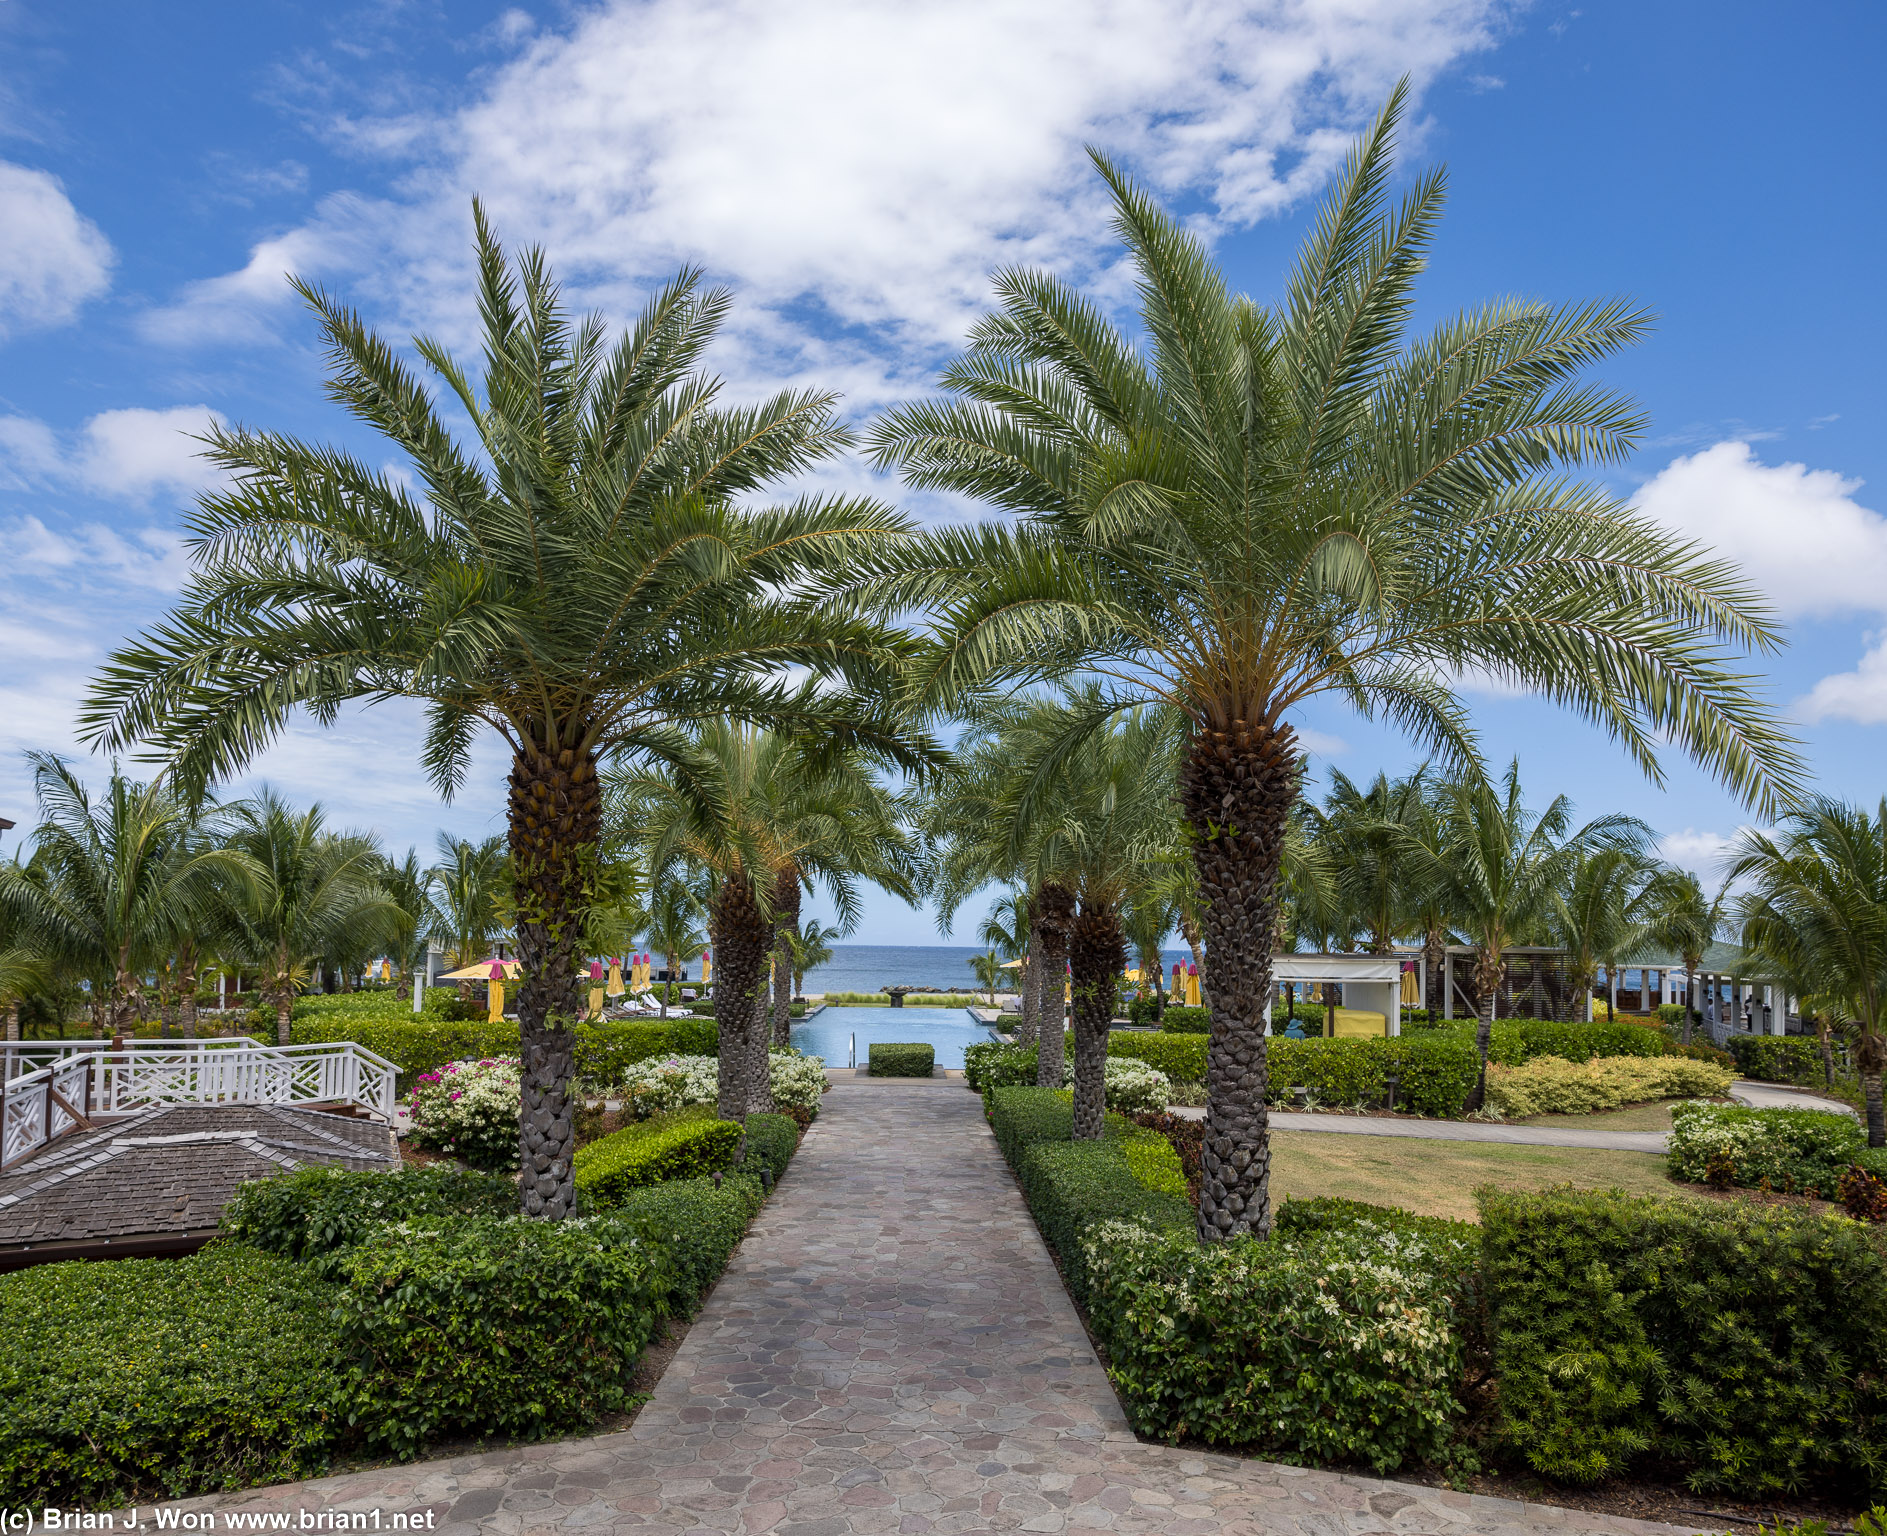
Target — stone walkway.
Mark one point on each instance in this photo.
(892, 1351)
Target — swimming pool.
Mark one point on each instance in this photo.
(947, 1030)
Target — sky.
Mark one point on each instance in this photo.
(854, 172)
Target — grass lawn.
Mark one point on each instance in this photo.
(1655, 1116)
(1438, 1178)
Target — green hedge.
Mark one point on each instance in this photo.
(425, 1045)
(1181, 1020)
(1339, 1339)
(771, 1142)
(1793, 1150)
(1434, 1072)
(1780, 1059)
(481, 1326)
(1746, 1345)
(697, 1223)
(1515, 1042)
(681, 1145)
(141, 1379)
(310, 1212)
(901, 1060)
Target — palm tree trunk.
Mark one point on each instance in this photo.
(668, 963)
(741, 945)
(1487, 984)
(1098, 950)
(1236, 789)
(1826, 1038)
(13, 1018)
(1056, 909)
(1026, 1029)
(554, 818)
(785, 920)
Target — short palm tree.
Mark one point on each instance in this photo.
(112, 883)
(307, 887)
(1506, 867)
(987, 967)
(674, 928)
(469, 896)
(1816, 909)
(1274, 504)
(812, 948)
(578, 579)
(1596, 915)
(1370, 836)
(1006, 931)
(1682, 918)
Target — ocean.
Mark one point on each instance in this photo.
(873, 967)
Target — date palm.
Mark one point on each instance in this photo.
(1682, 918)
(1271, 504)
(1816, 911)
(578, 579)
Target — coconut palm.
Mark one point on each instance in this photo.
(1005, 930)
(1596, 915)
(112, 883)
(469, 893)
(1278, 503)
(405, 884)
(1506, 867)
(812, 948)
(987, 968)
(577, 579)
(1149, 920)
(674, 928)
(1681, 918)
(309, 890)
(1370, 840)
(1816, 909)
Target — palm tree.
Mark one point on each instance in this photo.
(579, 579)
(1006, 931)
(1595, 915)
(111, 885)
(674, 928)
(747, 805)
(812, 948)
(988, 969)
(1285, 502)
(308, 887)
(1680, 918)
(405, 884)
(469, 898)
(1149, 919)
(1817, 910)
(1370, 838)
(1506, 866)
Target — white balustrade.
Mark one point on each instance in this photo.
(94, 1080)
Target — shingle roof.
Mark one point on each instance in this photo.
(167, 1172)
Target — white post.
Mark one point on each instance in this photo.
(1611, 987)
(1447, 984)
(1664, 985)
(419, 988)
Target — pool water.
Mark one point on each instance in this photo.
(946, 1030)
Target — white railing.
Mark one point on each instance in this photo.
(50, 1100)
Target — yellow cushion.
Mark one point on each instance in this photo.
(1354, 1022)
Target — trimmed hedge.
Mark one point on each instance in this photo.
(1434, 1074)
(684, 1144)
(1793, 1150)
(480, 1326)
(425, 1045)
(1780, 1059)
(1746, 1344)
(137, 1379)
(1182, 1020)
(771, 1142)
(1337, 1340)
(901, 1060)
(1514, 1042)
(697, 1223)
(310, 1212)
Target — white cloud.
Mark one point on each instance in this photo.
(849, 164)
(124, 455)
(1319, 743)
(1802, 540)
(52, 258)
(150, 558)
(1860, 695)
(1702, 853)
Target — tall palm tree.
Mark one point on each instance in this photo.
(405, 884)
(1506, 864)
(1681, 918)
(745, 805)
(1596, 914)
(1006, 931)
(308, 888)
(112, 883)
(1816, 909)
(1150, 919)
(1370, 837)
(674, 928)
(1279, 503)
(578, 579)
(469, 895)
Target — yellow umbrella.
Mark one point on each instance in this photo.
(1010, 965)
(496, 1013)
(615, 975)
(707, 965)
(482, 970)
(596, 989)
(1192, 987)
(1411, 994)
(386, 970)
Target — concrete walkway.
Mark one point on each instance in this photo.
(892, 1351)
(1775, 1096)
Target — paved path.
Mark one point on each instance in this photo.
(1775, 1096)
(892, 1351)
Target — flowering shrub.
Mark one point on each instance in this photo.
(1132, 1087)
(1548, 1085)
(1339, 1344)
(1802, 1151)
(663, 1084)
(470, 1109)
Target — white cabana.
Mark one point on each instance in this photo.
(1372, 984)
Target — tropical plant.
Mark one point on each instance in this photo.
(111, 885)
(987, 968)
(812, 948)
(1816, 907)
(579, 579)
(307, 888)
(1370, 839)
(674, 927)
(470, 894)
(405, 884)
(1282, 503)
(1679, 917)
(1596, 914)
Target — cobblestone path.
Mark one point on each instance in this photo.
(892, 1351)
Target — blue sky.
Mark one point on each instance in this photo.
(854, 171)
